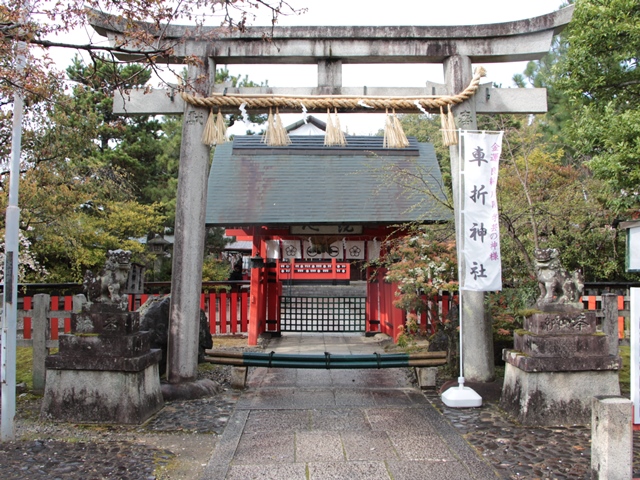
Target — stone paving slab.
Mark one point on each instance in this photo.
(351, 471)
(368, 446)
(421, 470)
(188, 438)
(350, 419)
(294, 471)
(319, 447)
(341, 424)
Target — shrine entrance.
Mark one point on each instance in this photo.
(322, 314)
(313, 213)
(455, 47)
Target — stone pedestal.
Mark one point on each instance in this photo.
(104, 372)
(611, 438)
(558, 364)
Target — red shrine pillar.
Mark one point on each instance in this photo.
(257, 302)
(373, 299)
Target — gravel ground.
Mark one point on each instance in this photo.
(175, 444)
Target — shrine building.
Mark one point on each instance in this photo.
(316, 215)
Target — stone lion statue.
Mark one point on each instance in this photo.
(110, 284)
(557, 286)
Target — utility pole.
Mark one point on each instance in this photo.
(11, 242)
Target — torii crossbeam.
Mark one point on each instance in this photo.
(455, 47)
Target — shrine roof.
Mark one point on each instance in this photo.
(251, 183)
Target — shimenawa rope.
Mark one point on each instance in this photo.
(341, 102)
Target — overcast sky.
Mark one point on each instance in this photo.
(397, 12)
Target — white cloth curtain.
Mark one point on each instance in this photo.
(355, 249)
(291, 249)
(273, 249)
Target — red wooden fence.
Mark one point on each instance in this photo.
(593, 302)
(228, 312)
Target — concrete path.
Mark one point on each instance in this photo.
(338, 424)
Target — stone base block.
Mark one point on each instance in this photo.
(426, 377)
(582, 363)
(106, 320)
(131, 345)
(239, 377)
(88, 396)
(612, 438)
(64, 361)
(561, 346)
(554, 398)
(572, 322)
(189, 390)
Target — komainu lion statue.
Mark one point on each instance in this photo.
(557, 286)
(110, 284)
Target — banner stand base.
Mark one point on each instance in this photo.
(461, 396)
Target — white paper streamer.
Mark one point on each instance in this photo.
(362, 104)
(245, 115)
(420, 107)
(304, 113)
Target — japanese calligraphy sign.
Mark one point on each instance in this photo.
(481, 267)
(326, 229)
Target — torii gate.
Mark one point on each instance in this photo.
(455, 47)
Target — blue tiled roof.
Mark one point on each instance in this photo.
(251, 183)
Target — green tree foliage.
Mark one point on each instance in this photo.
(215, 270)
(545, 203)
(542, 74)
(600, 74)
(422, 262)
(78, 195)
(128, 145)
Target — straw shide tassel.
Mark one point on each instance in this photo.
(451, 125)
(448, 124)
(281, 132)
(394, 136)
(214, 130)
(266, 138)
(333, 134)
(276, 135)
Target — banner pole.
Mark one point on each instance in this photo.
(461, 251)
(461, 396)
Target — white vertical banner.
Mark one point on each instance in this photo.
(373, 249)
(480, 230)
(311, 252)
(336, 250)
(355, 249)
(634, 318)
(273, 249)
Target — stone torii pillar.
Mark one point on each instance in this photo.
(188, 249)
(477, 333)
(456, 47)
